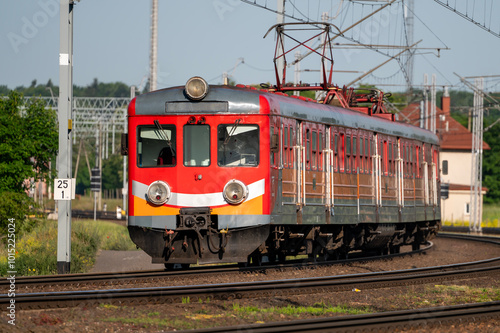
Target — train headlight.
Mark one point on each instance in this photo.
(159, 192)
(196, 88)
(235, 192)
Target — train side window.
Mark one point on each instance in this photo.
(385, 160)
(285, 146)
(354, 154)
(314, 150)
(412, 162)
(361, 155)
(405, 171)
(272, 153)
(367, 156)
(238, 146)
(156, 146)
(436, 162)
(417, 161)
(335, 153)
(308, 149)
(292, 144)
(347, 153)
(395, 156)
(320, 151)
(390, 158)
(342, 152)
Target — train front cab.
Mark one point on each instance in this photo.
(198, 186)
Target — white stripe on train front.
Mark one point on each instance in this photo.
(255, 190)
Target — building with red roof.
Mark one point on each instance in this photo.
(455, 156)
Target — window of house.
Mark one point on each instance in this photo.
(445, 167)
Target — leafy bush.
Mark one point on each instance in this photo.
(36, 249)
(15, 206)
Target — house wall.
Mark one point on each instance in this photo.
(459, 167)
(454, 208)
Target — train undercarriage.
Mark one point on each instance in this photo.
(197, 240)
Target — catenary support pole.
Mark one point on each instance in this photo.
(64, 158)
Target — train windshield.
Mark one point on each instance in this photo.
(156, 145)
(196, 145)
(238, 145)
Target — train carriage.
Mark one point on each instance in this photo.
(225, 174)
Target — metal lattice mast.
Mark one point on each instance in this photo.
(433, 103)
(281, 19)
(408, 14)
(153, 57)
(477, 159)
(296, 80)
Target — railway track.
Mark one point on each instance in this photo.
(423, 318)
(30, 283)
(379, 322)
(230, 291)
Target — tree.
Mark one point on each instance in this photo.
(112, 173)
(28, 141)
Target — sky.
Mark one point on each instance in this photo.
(208, 37)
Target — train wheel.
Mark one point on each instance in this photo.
(185, 266)
(415, 246)
(169, 267)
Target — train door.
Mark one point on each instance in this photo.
(313, 173)
(290, 179)
(377, 173)
(330, 156)
(425, 175)
(400, 176)
(434, 175)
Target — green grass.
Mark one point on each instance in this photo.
(456, 294)
(491, 218)
(87, 203)
(36, 249)
(319, 309)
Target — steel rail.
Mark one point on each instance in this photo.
(382, 321)
(272, 288)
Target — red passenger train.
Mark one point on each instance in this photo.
(233, 174)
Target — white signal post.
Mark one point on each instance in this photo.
(64, 167)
